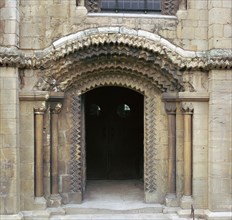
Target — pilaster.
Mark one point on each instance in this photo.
(220, 139)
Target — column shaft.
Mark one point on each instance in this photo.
(187, 154)
(172, 153)
(39, 154)
(54, 155)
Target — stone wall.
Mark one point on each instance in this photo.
(198, 26)
(9, 141)
(220, 31)
(43, 22)
(220, 139)
(9, 23)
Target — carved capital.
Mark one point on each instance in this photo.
(187, 107)
(40, 109)
(170, 108)
(55, 108)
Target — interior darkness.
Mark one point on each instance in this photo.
(114, 134)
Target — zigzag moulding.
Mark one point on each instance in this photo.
(66, 46)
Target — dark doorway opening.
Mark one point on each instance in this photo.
(114, 134)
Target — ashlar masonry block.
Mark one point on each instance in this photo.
(220, 15)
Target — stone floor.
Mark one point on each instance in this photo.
(106, 196)
(115, 200)
(107, 200)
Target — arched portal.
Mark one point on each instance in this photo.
(114, 134)
(153, 166)
(120, 60)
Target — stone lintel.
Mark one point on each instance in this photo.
(186, 96)
(40, 96)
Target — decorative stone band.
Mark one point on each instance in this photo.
(74, 43)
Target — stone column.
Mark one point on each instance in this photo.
(187, 109)
(55, 110)
(39, 114)
(55, 199)
(171, 111)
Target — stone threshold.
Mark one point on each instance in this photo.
(60, 214)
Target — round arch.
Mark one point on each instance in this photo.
(111, 59)
(132, 51)
(153, 185)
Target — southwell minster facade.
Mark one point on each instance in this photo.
(116, 90)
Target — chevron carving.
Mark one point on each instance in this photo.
(169, 7)
(76, 168)
(142, 85)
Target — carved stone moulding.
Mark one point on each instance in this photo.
(82, 40)
(68, 72)
(142, 85)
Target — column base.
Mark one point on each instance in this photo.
(186, 202)
(54, 200)
(40, 203)
(171, 200)
(75, 198)
(152, 197)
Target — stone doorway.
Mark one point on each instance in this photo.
(114, 135)
(153, 186)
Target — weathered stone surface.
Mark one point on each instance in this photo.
(58, 46)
